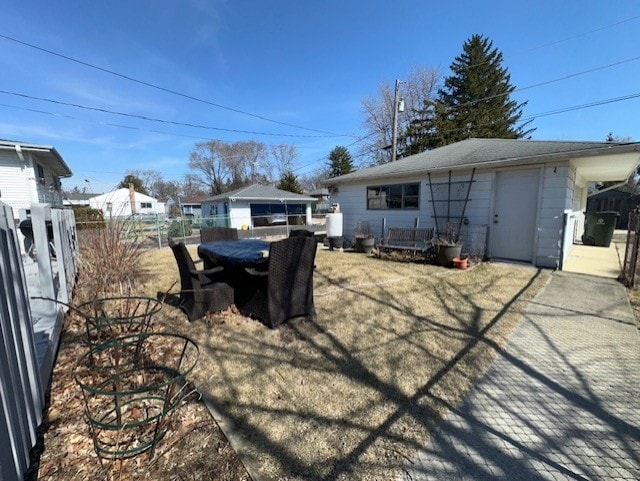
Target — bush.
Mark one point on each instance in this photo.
(109, 260)
(88, 218)
(176, 228)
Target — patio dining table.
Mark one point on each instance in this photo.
(234, 253)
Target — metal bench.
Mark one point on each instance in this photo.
(414, 239)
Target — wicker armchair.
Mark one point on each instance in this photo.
(283, 289)
(213, 234)
(201, 291)
(301, 233)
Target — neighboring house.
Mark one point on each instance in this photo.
(322, 197)
(257, 206)
(621, 199)
(118, 204)
(188, 207)
(29, 174)
(528, 195)
(77, 199)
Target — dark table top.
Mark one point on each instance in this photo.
(240, 252)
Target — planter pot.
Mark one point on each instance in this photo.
(446, 254)
(365, 244)
(335, 243)
(461, 262)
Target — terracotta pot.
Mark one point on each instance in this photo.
(461, 262)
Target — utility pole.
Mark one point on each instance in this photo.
(398, 106)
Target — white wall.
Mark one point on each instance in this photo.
(353, 203)
(19, 187)
(121, 206)
(557, 195)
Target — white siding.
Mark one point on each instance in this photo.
(15, 188)
(121, 206)
(240, 214)
(353, 203)
(557, 196)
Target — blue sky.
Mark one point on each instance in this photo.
(305, 63)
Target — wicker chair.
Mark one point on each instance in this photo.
(201, 291)
(213, 234)
(301, 233)
(284, 288)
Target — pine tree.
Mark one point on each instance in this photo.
(340, 162)
(290, 183)
(138, 186)
(473, 102)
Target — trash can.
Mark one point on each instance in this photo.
(599, 227)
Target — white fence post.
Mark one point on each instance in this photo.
(21, 394)
(40, 214)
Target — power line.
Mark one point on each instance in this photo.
(583, 106)
(121, 126)
(151, 119)
(163, 89)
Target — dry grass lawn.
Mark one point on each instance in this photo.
(354, 394)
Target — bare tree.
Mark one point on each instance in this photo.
(312, 180)
(419, 87)
(245, 161)
(207, 160)
(284, 158)
(220, 167)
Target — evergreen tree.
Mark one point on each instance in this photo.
(138, 186)
(340, 162)
(473, 102)
(290, 183)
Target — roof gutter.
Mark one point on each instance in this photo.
(614, 186)
(624, 148)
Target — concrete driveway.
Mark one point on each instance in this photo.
(561, 401)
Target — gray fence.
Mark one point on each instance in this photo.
(24, 366)
(153, 230)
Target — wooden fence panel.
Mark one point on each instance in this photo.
(21, 395)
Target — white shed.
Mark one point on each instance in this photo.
(258, 206)
(30, 174)
(118, 204)
(520, 200)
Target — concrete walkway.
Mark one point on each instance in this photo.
(562, 401)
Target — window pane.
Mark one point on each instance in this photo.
(411, 189)
(411, 202)
(395, 197)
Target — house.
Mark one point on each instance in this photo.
(520, 200)
(188, 207)
(118, 204)
(77, 199)
(258, 206)
(30, 173)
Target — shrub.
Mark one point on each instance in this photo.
(176, 228)
(109, 260)
(88, 218)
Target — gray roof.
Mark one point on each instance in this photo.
(46, 155)
(260, 192)
(79, 195)
(484, 153)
